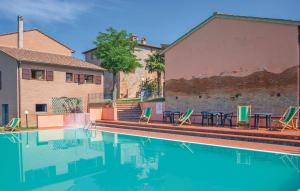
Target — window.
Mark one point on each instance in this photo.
(89, 79)
(49, 75)
(97, 79)
(41, 107)
(69, 77)
(38, 74)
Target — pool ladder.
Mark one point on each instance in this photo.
(90, 124)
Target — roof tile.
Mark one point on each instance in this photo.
(47, 58)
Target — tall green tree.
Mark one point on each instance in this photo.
(115, 50)
(155, 63)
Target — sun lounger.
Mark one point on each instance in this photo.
(146, 115)
(288, 119)
(186, 117)
(13, 124)
(243, 115)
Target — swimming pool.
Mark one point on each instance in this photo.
(79, 159)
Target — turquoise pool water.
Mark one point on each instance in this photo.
(78, 159)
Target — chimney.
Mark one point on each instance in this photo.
(134, 37)
(144, 41)
(20, 32)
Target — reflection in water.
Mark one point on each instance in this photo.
(80, 159)
(243, 158)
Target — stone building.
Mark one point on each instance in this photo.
(128, 85)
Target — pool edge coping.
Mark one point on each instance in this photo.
(199, 143)
(160, 138)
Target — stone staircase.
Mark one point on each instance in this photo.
(128, 111)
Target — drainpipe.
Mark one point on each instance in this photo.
(19, 89)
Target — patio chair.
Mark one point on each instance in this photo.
(243, 115)
(288, 119)
(186, 117)
(146, 114)
(208, 117)
(13, 124)
(227, 117)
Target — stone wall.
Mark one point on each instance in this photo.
(128, 84)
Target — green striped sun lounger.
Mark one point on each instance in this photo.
(146, 115)
(13, 124)
(288, 119)
(186, 117)
(243, 115)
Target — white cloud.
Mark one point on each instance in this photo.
(45, 10)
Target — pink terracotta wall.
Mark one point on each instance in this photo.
(109, 113)
(155, 115)
(63, 120)
(45, 121)
(78, 120)
(36, 41)
(95, 113)
(42, 92)
(233, 47)
(231, 62)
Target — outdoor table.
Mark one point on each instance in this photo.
(268, 117)
(219, 117)
(166, 115)
(175, 113)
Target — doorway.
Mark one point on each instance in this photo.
(5, 114)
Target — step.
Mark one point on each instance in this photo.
(124, 109)
(213, 130)
(132, 117)
(129, 110)
(207, 134)
(127, 105)
(129, 115)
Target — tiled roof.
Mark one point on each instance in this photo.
(47, 58)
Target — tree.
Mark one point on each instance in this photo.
(115, 50)
(155, 63)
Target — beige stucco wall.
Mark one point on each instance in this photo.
(34, 40)
(128, 84)
(41, 92)
(231, 62)
(8, 93)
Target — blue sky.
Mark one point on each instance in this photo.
(76, 23)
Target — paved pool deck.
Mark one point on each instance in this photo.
(209, 141)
